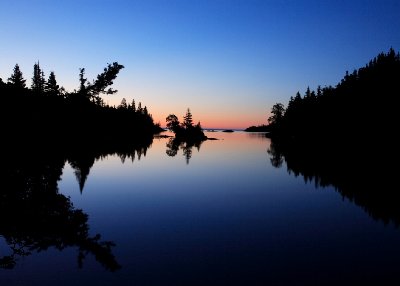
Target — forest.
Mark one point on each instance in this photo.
(363, 104)
(45, 113)
(345, 136)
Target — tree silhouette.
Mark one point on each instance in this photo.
(52, 88)
(104, 80)
(62, 116)
(277, 111)
(123, 104)
(173, 123)
(82, 82)
(133, 105)
(188, 120)
(16, 79)
(38, 81)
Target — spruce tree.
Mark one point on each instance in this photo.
(38, 81)
(123, 104)
(52, 88)
(187, 119)
(16, 79)
(82, 81)
(133, 106)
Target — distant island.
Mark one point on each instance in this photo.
(185, 131)
(187, 135)
(259, 128)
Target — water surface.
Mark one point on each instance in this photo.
(220, 214)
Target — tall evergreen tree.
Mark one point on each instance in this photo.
(133, 106)
(16, 79)
(123, 104)
(38, 81)
(52, 88)
(139, 108)
(82, 81)
(188, 119)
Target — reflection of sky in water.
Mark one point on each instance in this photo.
(227, 215)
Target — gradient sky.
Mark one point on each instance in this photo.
(228, 61)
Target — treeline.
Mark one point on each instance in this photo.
(345, 136)
(363, 104)
(45, 111)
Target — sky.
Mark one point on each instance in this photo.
(229, 62)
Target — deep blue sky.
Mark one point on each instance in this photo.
(228, 61)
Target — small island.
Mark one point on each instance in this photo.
(259, 128)
(186, 136)
(185, 131)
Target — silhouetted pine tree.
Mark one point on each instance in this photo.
(38, 81)
(133, 106)
(16, 80)
(51, 87)
(188, 119)
(82, 82)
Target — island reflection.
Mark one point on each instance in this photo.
(174, 144)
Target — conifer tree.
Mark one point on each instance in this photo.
(133, 106)
(38, 81)
(145, 112)
(101, 85)
(82, 81)
(187, 119)
(104, 80)
(123, 104)
(16, 79)
(52, 88)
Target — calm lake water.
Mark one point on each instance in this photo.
(220, 214)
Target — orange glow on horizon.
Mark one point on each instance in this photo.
(223, 122)
(216, 115)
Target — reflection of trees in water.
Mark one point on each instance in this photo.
(174, 144)
(358, 170)
(276, 156)
(36, 217)
(83, 157)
